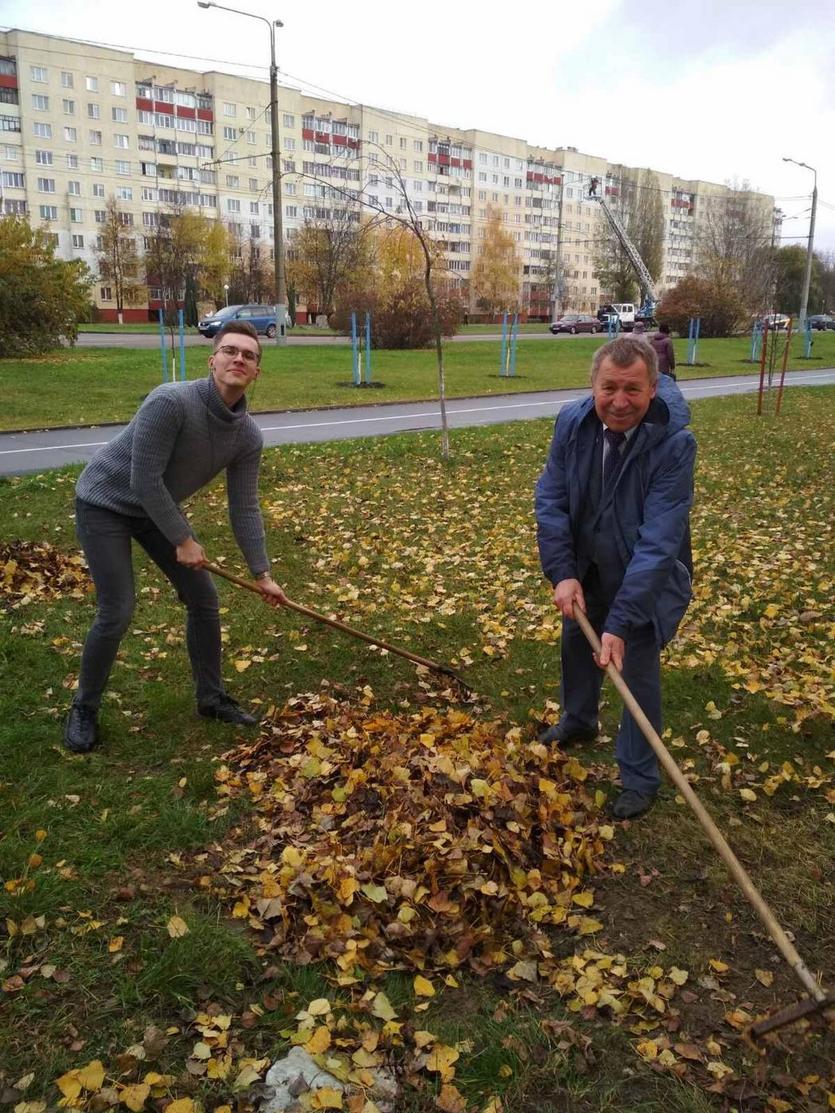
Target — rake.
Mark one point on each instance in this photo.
(819, 999)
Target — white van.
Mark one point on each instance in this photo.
(626, 314)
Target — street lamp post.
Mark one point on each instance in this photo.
(807, 277)
(226, 293)
(278, 239)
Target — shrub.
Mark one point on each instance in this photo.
(718, 304)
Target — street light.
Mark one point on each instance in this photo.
(807, 277)
(278, 240)
(226, 293)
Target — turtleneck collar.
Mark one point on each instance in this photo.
(215, 404)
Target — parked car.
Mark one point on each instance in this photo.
(821, 321)
(576, 322)
(262, 317)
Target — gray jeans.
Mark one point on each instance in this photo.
(106, 537)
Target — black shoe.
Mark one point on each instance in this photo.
(565, 736)
(630, 804)
(228, 710)
(81, 734)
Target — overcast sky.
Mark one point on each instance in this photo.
(713, 89)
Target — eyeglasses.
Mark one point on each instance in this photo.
(230, 350)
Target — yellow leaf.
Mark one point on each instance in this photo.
(382, 1007)
(440, 1060)
(319, 1042)
(717, 965)
(177, 927)
(181, 1105)
(764, 977)
(588, 926)
(585, 899)
(116, 944)
(91, 1076)
(678, 976)
(242, 664)
(319, 1007)
(69, 1085)
(326, 1098)
(748, 794)
(135, 1096)
(423, 987)
(375, 893)
(40, 835)
(450, 1099)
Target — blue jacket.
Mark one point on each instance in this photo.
(651, 504)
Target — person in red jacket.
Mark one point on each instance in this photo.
(664, 350)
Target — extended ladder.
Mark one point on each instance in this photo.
(648, 290)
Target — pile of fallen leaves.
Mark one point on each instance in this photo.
(32, 571)
(423, 840)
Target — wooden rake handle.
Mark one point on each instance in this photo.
(735, 867)
(250, 585)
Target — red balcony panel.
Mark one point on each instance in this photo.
(539, 177)
(455, 162)
(443, 160)
(468, 164)
(144, 104)
(323, 137)
(308, 133)
(340, 140)
(164, 107)
(205, 114)
(8, 81)
(433, 157)
(188, 113)
(353, 142)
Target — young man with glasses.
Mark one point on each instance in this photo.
(181, 437)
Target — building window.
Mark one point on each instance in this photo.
(91, 84)
(94, 111)
(122, 141)
(75, 216)
(72, 160)
(38, 73)
(233, 205)
(418, 146)
(253, 185)
(43, 158)
(119, 115)
(97, 164)
(403, 143)
(289, 121)
(230, 133)
(389, 140)
(233, 181)
(229, 110)
(49, 212)
(118, 88)
(41, 131)
(98, 189)
(67, 81)
(290, 210)
(95, 138)
(100, 216)
(13, 180)
(74, 189)
(250, 137)
(68, 106)
(46, 185)
(373, 137)
(40, 102)
(106, 293)
(77, 240)
(124, 193)
(13, 207)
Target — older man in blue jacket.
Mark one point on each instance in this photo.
(613, 511)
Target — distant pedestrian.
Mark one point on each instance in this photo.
(640, 328)
(663, 346)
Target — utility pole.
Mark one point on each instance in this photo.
(278, 238)
(807, 277)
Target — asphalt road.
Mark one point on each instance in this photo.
(144, 340)
(39, 451)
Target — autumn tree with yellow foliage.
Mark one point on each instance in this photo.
(496, 275)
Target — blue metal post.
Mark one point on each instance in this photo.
(503, 357)
(514, 336)
(693, 339)
(756, 341)
(368, 347)
(162, 345)
(355, 355)
(182, 344)
(807, 339)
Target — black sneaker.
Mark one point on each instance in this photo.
(81, 734)
(565, 736)
(630, 804)
(228, 710)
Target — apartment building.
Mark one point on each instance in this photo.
(80, 124)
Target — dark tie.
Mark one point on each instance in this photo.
(612, 461)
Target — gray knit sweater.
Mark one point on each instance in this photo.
(180, 438)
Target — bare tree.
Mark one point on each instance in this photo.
(734, 244)
(120, 264)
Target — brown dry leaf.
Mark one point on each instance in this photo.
(450, 1099)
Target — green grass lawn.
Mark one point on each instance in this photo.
(98, 853)
(93, 385)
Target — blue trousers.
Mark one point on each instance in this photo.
(581, 683)
(106, 540)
